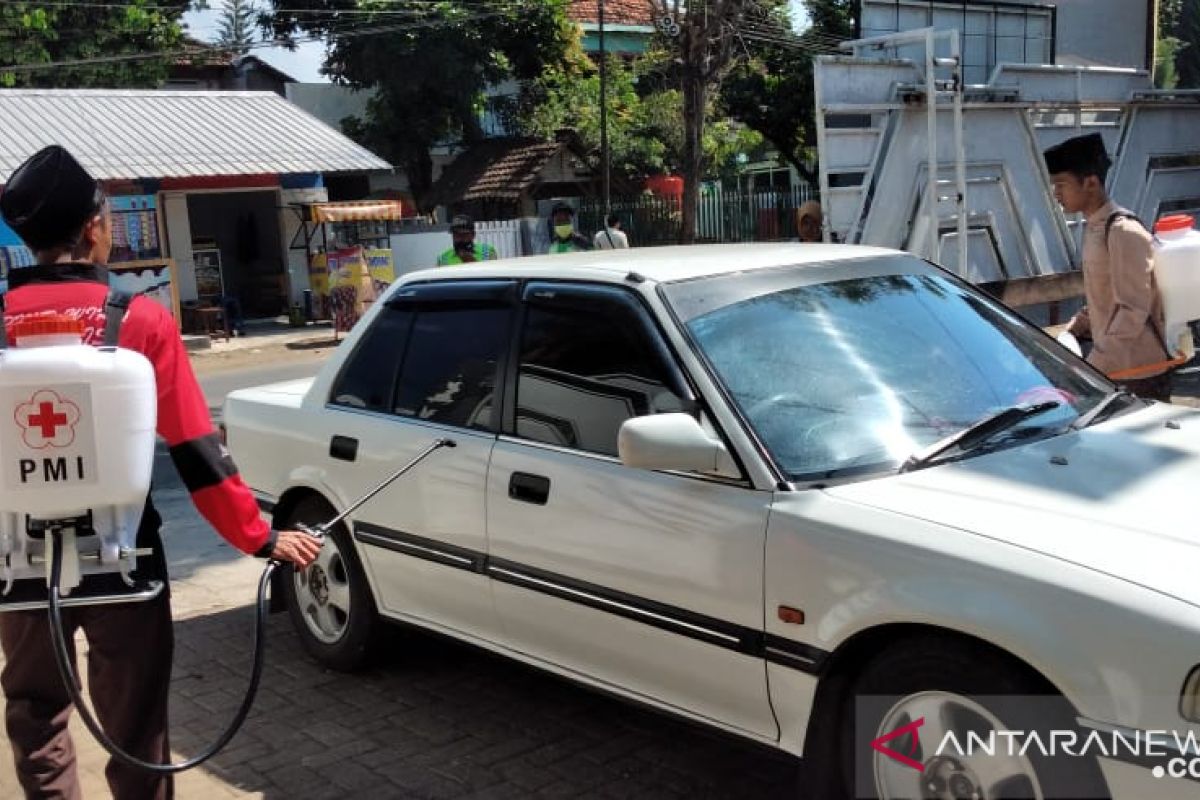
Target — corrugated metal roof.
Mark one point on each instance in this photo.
(123, 134)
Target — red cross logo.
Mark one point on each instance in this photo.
(47, 420)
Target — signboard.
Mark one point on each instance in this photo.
(210, 283)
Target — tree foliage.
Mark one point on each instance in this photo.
(36, 39)
(772, 93)
(705, 50)
(645, 116)
(236, 30)
(1177, 53)
(427, 63)
(1187, 61)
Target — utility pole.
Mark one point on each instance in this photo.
(604, 159)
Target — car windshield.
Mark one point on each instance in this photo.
(849, 368)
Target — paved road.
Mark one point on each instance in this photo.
(431, 719)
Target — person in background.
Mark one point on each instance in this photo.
(464, 250)
(563, 238)
(612, 237)
(1123, 313)
(809, 221)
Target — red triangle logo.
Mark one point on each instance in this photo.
(879, 744)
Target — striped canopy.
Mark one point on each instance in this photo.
(359, 211)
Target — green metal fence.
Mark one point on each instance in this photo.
(721, 216)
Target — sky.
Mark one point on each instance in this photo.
(304, 63)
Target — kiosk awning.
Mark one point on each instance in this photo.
(358, 211)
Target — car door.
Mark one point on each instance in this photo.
(649, 581)
(427, 368)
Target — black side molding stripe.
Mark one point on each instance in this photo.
(790, 653)
(730, 636)
(419, 547)
(658, 615)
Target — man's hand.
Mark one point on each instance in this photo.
(297, 547)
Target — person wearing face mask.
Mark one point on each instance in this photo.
(465, 251)
(563, 238)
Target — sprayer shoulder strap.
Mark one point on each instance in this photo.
(1120, 213)
(115, 306)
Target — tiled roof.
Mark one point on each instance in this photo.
(122, 134)
(494, 169)
(616, 12)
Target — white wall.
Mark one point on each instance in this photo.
(327, 102)
(289, 221)
(1108, 33)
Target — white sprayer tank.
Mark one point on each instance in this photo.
(76, 423)
(77, 430)
(1177, 272)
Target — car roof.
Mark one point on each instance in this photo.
(659, 264)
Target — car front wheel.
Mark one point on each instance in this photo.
(330, 603)
(905, 714)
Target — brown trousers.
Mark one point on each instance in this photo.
(1156, 388)
(129, 674)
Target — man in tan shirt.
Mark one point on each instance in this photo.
(1123, 312)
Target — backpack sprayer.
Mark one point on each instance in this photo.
(1177, 281)
(77, 426)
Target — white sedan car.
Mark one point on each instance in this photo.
(827, 498)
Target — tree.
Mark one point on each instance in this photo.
(645, 115)
(236, 31)
(427, 63)
(570, 98)
(772, 93)
(41, 45)
(1188, 32)
(706, 49)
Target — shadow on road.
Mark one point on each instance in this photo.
(437, 719)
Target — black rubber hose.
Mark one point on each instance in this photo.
(67, 671)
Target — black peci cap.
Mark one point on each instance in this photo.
(49, 198)
(462, 222)
(1084, 155)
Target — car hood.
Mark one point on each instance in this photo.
(1114, 498)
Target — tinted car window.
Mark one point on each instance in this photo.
(450, 367)
(367, 379)
(854, 367)
(585, 368)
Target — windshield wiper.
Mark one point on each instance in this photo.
(974, 435)
(1098, 410)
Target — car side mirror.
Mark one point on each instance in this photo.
(674, 442)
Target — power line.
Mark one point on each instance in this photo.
(205, 49)
(403, 6)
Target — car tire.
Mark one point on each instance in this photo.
(958, 680)
(330, 603)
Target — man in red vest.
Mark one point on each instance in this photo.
(59, 210)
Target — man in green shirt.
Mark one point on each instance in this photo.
(563, 237)
(465, 251)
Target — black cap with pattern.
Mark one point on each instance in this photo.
(49, 198)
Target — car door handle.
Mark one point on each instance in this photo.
(343, 448)
(529, 488)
